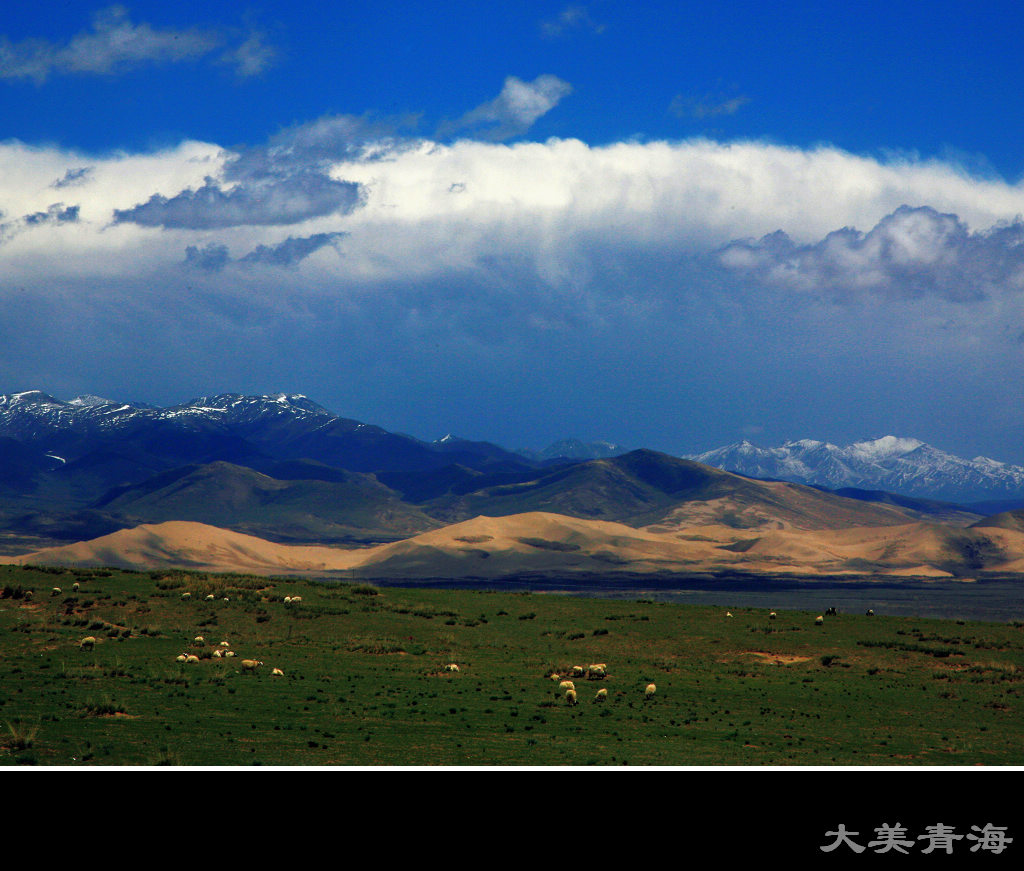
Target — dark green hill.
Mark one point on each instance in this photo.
(352, 508)
(645, 487)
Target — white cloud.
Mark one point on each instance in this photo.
(514, 110)
(116, 44)
(573, 17)
(911, 252)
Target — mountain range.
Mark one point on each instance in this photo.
(904, 466)
(283, 470)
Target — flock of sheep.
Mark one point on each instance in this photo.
(221, 651)
(595, 671)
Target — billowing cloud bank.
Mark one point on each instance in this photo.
(712, 259)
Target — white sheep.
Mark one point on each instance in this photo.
(650, 690)
(198, 639)
(567, 685)
(577, 671)
(819, 620)
(209, 597)
(451, 667)
(555, 676)
(251, 664)
(296, 599)
(224, 644)
(181, 657)
(88, 642)
(191, 658)
(229, 653)
(217, 654)
(570, 697)
(601, 696)
(728, 613)
(278, 672)
(186, 596)
(226, 599)
(56, 591)
(74, 587)
(287, 600)
(771, 615)
(596, 672)
(870, 613)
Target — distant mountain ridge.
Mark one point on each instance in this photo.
(906, 466)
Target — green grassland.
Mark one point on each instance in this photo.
(364, 680)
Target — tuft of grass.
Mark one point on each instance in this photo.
(21, 737)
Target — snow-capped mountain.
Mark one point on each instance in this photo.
(899, 465)
(73, 426)
(232, 427)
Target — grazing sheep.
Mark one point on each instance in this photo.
(191, 658)
(870, 613)
(229, 653)
(819, 620)
(226, 599)
(555, 676)
(186, 596)
(250, 664)
(577, 671)
(88, 642)
(181, 657)
(296, 599)
(570, 697)
(601, 696)
(74, 587)
(224, 644)
(217, 654)
(278, 672)
(209, 598)
(198, 639)
(650, 690)
(567, 685)
(728, 613)
(451, 667)
(287, 600)
(771, 615)
(56, 591)
(596, 672)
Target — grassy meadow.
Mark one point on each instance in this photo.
(364, 680)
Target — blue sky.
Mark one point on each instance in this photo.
(667, 225)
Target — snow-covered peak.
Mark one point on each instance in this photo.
(90, 401)
(897, 464)
(887, 446)
(28, 397)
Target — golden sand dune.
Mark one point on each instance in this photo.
(539, 542)
(187, 545)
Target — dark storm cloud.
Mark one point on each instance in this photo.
(55, 214)
(211, 257)
(214, 257)
(913, 252)
(286, 200)
(316, 145)
(76, 176)
(291, 250)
